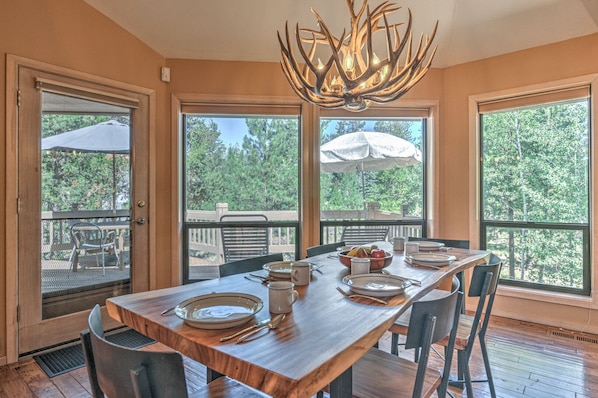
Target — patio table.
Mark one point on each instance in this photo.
(316, 345)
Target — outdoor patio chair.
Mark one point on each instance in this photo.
(91, 239)
(245, 237)
(360, 235)
(121, 372)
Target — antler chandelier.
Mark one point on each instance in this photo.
(353, 76)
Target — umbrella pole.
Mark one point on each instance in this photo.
(113, 183)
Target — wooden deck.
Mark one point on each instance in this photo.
(526, 360)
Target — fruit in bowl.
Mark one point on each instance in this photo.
(378, 258)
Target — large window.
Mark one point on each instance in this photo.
(240, 164)
(535, 192)
(372, 173)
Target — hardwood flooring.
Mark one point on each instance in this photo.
(526, 362)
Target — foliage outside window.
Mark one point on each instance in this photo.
(536, 194)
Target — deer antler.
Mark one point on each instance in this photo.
(352, 76)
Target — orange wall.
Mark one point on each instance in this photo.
(70, 34)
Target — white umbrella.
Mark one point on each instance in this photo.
(106, 137)
(367, 151)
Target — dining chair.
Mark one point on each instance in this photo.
(248, 264)
(244, 241)
(483, 285)
(456, 243)
(484, 282)
(360, 235)
(381, 374)
(89, 238)
(321, 249)
(120, 372)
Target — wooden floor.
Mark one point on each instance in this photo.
(526, 362)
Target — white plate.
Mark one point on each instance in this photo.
(282, 269)
(425, 245)
(218, 310)
(436, 259)
(377, 285)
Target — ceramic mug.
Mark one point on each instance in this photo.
(281, 296)
(300, 273)
(411, 247)
(360, 265)
(398, 243)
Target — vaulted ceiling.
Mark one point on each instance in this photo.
(246, 29)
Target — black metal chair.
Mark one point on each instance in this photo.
(484, 283)
(456, 243)
(327, 248)
(89, 238)
(248, 264)
(244, 241)
(121, 372)
(359, 235)
(380, 374)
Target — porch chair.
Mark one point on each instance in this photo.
(380, 374)
(243, 241)
(483, 285)
(121, 372)
(359, 235)
(321, 249)
(90, 238)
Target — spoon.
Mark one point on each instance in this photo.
(273, 324)
(350, 295)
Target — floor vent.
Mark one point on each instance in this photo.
(577, 336)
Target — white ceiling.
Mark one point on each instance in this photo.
(246, 29)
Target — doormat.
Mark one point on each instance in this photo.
(70, 358)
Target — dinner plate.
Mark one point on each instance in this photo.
(377, 285)
(218, 310)
(432, 259)
(425, 245)
(282, 269)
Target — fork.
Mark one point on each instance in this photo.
(351, 295)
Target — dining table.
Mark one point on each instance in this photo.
(318, 341)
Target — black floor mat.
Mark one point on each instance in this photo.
(70, 358)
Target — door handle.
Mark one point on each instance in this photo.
(140, 221)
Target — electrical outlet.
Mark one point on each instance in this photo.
(165, 74)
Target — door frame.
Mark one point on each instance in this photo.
(142, 280)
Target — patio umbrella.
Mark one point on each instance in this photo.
(106, 137)
(367, 151)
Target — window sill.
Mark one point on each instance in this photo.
(547, 297)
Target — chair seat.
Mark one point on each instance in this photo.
(225, 387)
(463, 332)
(380, 374)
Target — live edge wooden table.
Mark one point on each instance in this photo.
(316, 345)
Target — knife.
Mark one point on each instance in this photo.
(247, 329)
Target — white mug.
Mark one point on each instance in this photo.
(281, 297)
(360, 265)
(398, 243)
(300, 273)
(411, 247)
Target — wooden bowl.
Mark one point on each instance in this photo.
(375, 263)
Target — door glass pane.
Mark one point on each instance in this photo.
(245, 166)
(85, 185)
